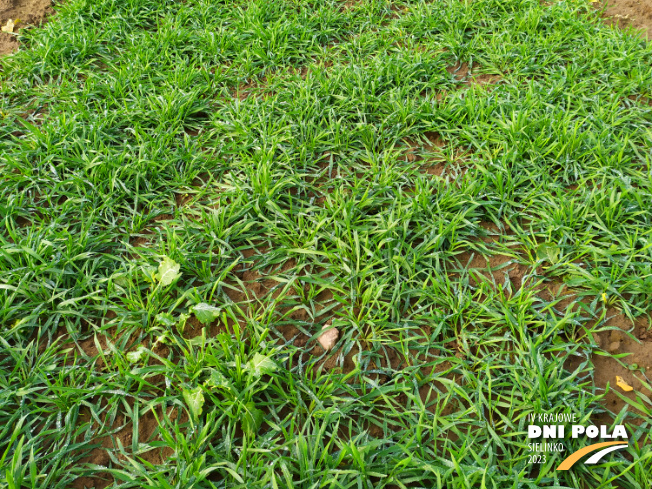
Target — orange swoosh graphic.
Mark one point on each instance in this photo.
(574, 457)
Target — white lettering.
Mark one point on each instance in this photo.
(577, 430)
(603, 432)
(533, 431)
(550, 431)
(619, 432)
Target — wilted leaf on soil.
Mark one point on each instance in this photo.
(205, 313)
(166, 319)
(252, 419)
(549, 252)
(149, 273)
(168, 271)
(195, 400)
(620, 382)
(136, 355)
(9, 26)
(261, 365)
(217, 380)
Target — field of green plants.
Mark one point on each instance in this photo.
(190, 191)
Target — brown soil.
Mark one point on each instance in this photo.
(419, 150)
(122, 429)
(630, 13)
(638, 360)
(635, 368)
(606, 368)
(28, 12)
(612, 340)
(497, 268)
(437, 157)
(463, 74)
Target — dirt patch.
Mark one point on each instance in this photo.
(630, 13)
(637, 366)
(437, 157)
(194, 328)
(252, 284)
(147, 236)
(463, 74)
(416, 150)
(258, 87)
(460, 71)
(27, 12)
(122, 429)
(624, 347)
(498, 268)
(350, 5)
(244, 90)
(617, 337)
(465, 78)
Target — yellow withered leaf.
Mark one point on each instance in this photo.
(9, 26)
(620, 382)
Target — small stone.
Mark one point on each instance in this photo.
(328, 337)
(614, 346)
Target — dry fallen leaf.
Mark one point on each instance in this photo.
(329, 337)
(9, 26)
(620, 382)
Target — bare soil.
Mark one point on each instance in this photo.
(621, 337)
(123, 430)
(624, 346)
(630, 13)
(28, 12)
